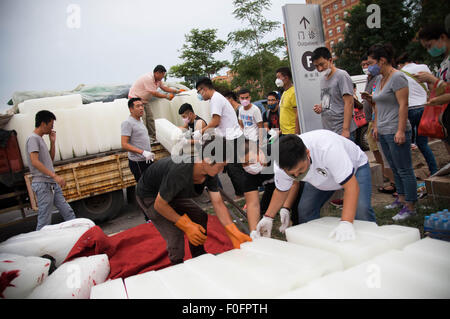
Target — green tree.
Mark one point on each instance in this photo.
(197, 54)
(396, 28)
(252, 49)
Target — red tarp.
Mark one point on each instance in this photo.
(141, 248)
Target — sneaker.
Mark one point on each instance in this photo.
(394, 205)
(338, 203)
(403, 214)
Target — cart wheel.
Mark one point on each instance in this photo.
(101, 207)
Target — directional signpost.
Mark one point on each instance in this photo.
(304, 32)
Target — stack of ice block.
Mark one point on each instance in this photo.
(420, 270)
(383, 262)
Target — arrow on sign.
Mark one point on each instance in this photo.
(304, 21)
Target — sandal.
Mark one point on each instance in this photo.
(387, 191)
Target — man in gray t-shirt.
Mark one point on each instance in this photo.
(336, 93)
(45, 183)
(135, 139)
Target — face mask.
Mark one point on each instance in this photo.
(254, 169)
(272, 106)
(302, 175)
(326, 72)
(374, 69)
(186, 120)
(366, 71)
(245, 103)
(279, 83)
(200, 97)
(434, 51)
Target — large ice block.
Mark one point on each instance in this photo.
(296, 264)
(231, 277)
(50, 103)
(147, 286)
(185, 284)
(161, 109)
(111, 289)
(430, 248)
(74, 279)
(371, 240)
(167, 133)
(395, 274)
(20, 275)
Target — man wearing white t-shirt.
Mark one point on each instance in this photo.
(225, 123)
(417, 99)
(250, 118)
(326, 162)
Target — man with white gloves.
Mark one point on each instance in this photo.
(326, 162)
(135, 139)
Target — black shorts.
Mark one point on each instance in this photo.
(252, 182)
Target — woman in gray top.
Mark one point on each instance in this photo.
(391, 126)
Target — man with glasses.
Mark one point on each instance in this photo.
(326, 162)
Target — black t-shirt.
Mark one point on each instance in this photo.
(172, 180)
(273, 119)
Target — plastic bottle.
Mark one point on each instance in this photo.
(445, 224)
(435, 222)
(427, 224)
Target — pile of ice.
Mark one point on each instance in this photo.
(86, 129)
(26, 260)
(384, 261)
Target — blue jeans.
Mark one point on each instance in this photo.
(313, 199)
(414, 116)
(399, 159)
(47, 195)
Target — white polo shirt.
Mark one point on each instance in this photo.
(334, 159)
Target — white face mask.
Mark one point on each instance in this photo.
(186, 120)
(254, 168)
(245, 103)
(326, 72)
(366, 71)
(279, 83)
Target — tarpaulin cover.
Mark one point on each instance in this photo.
(142, 248)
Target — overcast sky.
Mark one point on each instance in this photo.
(58, 44)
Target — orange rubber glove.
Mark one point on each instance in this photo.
(181, 90)
(194, 232)
(237, 238)
(170, 96)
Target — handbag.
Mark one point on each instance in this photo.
(358, 114)
(431, 122)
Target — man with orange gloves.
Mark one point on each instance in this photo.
(145, 87)
(165, 193)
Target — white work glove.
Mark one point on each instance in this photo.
(197, 135)
(273, 135)
(343, 232)
(254, 235)
(285, 218)
(264, 227)
(149, 156)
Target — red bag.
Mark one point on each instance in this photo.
(359, 117)
(431, 122)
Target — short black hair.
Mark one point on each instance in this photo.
(403, 58)
(432, 32)
(285, 71)
(364, 57)
(185, 107)
(43, 116)
(243, 91)
(159, 68)
(231, 95)
(274, 94)
(205, 81)
(132, 100)
(382, 50)
(321, 52)
(292, 151)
